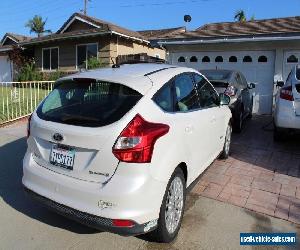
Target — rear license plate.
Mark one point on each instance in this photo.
(62, 156)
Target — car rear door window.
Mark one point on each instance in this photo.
(208, 97)
(164, 98)
(87, 102)
(186, 97)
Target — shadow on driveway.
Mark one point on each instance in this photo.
(11, 190)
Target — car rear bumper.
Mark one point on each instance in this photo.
(131, 194)
(100, 223)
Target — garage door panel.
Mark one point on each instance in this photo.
(260, 70)
(5, 69)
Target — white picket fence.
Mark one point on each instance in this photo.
(19, 99)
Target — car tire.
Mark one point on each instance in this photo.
(167, 231)
(278, 135)
(238, 122)
(227, 142)
(251, 111)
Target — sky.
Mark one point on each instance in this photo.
(139, 14)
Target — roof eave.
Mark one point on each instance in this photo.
(83, 35)
(226, 40)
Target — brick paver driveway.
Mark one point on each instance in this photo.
(260, 175)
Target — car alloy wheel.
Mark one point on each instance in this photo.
(227, 140)
(174, 205)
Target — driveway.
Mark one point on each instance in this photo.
(207, 224)
(260, 175)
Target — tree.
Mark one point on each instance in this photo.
(37, 25)
(240, 16)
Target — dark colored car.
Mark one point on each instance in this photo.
(234, 84)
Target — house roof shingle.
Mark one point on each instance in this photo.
(103, 28)
(162, 33)
(106, 25)
(273, 26)
(17, 37)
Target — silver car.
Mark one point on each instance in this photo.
(234, 84)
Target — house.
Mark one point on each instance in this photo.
(82, 37)
(6, 67)
(79, 38)
(263, 50)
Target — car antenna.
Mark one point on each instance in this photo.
(114, 65)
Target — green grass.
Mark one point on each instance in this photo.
(16, 102)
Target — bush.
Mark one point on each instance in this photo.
(28, 72)
(95, 63)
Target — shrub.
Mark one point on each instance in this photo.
(28, 72)
(95, 63)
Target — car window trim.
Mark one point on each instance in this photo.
(206, 82)
(173, 93)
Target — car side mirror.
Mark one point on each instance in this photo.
(251, 85)
(280, 84)
(224, 99)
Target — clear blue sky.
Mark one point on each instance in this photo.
(140, 14)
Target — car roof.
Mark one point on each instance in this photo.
(227, 72)
(135, 76)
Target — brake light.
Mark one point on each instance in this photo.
(136, 142)
(122, 223)
(231, 91)
(28, 125)
(286, 93)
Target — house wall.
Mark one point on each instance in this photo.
(280, 47)
(67, 51)
(122, 46)
(109, 47)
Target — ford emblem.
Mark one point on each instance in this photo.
(57, 137)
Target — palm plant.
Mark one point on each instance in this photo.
(240, 16)
(37, 25)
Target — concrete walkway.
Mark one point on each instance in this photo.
(207, 223)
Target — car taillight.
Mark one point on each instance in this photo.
(122, 223)
(28, 125)
(231, 91)
(136, 142)
(286, 93)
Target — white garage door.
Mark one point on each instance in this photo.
(291, 58)
(257, 66)
(5, 69)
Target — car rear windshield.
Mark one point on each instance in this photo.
(219, 84)
(87, 102)
(216, 75)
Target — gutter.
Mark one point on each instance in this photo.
(228, 40)
(82, 35)
(5, 49)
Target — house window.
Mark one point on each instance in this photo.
(247, 59)
(292, 59)
(263, 59)
(206, 59)
(233, 59)
(193, 59)
(50, 58)
(181, 59)
(85, 52)
(219, 59)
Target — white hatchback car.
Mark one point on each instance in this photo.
(287, 106)
(116, 148)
